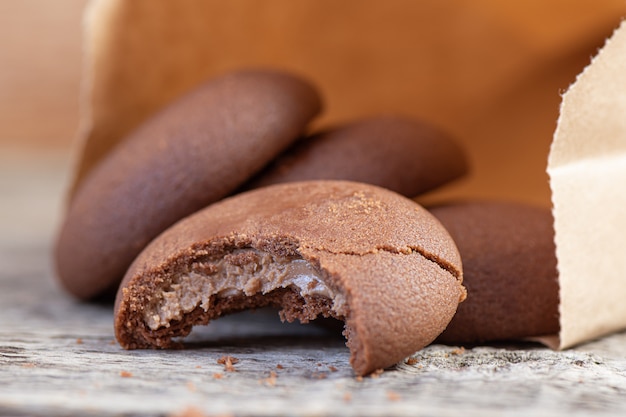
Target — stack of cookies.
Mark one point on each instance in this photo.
(225, 201)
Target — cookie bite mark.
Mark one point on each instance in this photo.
(280, 246)
(197, 288)
(241, 273)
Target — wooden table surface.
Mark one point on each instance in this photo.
(58, 356)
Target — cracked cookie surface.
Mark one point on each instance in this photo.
(355, 252)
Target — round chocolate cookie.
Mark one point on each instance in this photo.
(351, 251)
(194, 152)
(398, 153)
(509, 269)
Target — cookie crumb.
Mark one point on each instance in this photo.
(227, 358)
(458, 351)
(126, 374)
(28, 365)
(359, 378)
(271, 380)
(113, 342)
(228, 362)
(347, 397)
(279, 366)
(377, 373)
(411, 361)
(332, 369)
(218, 375)
(393, 396)
(79, 341)
(319, 375)
(189, 412)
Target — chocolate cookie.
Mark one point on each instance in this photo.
(398, 153)
(351, 251)
(509, 269)
(194, 152)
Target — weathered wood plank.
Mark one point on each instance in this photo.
(58, 356)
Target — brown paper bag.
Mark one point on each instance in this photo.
(488, 71)
(587, 168)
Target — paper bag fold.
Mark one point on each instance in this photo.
(587, 169)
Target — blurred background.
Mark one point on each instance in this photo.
(40, 66)
(40, 72)
(490, 72)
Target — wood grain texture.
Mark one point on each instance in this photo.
(58, 357)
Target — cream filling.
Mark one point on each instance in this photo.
(244, 272)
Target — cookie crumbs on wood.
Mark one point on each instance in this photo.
(79, 341)
(279, 366)
(218, 375)
(189, 412)
(332, 369)
(228, 362)
(271, 380)
(377, 373)
(227, 358)
(347, 397)
(126, 374)
(393, 396)
(194, 412)
(458, 351)
(411, 361)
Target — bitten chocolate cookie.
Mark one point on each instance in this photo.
(394, 152)
(351, 251)
(194, 152)
(509, 268)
